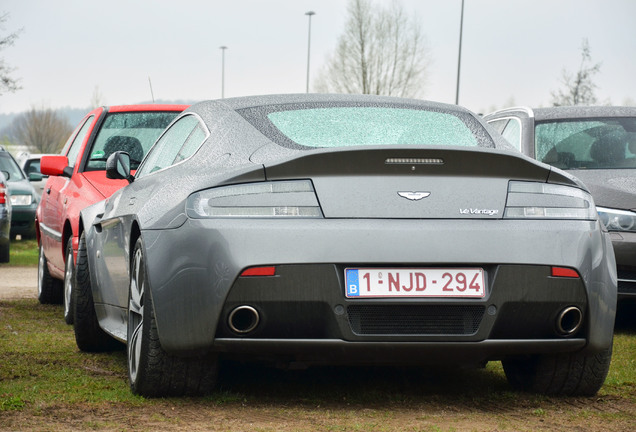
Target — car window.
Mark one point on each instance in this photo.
(512, 133)
(499, 125)
(32, 166)
(325, 124)
(132, 132)
(76, 144)
(9, 165)
(351, 126)
(587, 144)
(179, 142)
(192, 144)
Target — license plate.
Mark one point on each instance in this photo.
(414, 282)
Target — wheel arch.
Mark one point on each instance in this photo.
(67, 232)
(135, 233)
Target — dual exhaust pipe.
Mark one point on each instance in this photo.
(569, 321)
(243, 319)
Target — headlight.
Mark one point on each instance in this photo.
(284, 199)
(617, 220)
(21, 200)
(529, 200)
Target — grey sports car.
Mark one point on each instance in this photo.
(332, 229)
(597, 144)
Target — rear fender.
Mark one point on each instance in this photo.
(89, 217)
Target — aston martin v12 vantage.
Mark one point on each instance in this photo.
(331, 229)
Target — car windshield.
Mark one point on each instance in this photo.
(587, 144)
(9, 165)
(343, 126)
(132, 132)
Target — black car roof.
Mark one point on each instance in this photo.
(567, 112)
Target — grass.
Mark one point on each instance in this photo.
(40, 363)
(23, 253)
(45, 380)
(42, 371)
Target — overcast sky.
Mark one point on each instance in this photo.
(514, 51)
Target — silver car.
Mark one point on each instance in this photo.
(329, 229)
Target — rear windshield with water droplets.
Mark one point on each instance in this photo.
(343, 126)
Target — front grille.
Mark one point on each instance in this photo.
(626, 281)
(626, 286)
(414, 320)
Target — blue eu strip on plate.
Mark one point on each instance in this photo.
(352, 282)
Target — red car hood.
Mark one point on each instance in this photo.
(103, 185)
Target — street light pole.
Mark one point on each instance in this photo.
(309, 14)
(459, 59)
(223, 48)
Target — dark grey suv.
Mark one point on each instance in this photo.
(597, 145)
(23, 196)
(5, 219)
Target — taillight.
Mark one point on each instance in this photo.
(529, 200)
(3, 193)
(275, 199)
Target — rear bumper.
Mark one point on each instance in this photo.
(335, 351)
(194, 292)
(23, 221)
(5, 227)
(304, 305)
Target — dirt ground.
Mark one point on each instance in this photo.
(201, 416)
(288, 409)
(18, 282)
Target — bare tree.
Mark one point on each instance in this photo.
(578, 89)
(382, 51)
(41, 130)
(7, 84)
(96, 98)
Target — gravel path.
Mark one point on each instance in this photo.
(18, 282)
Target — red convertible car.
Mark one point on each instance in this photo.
(77, 178)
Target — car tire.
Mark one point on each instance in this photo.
(153, 372)
(89, 336)
(69, 281)
(49, 288)
(569, 374)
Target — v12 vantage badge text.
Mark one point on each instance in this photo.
(479, 212)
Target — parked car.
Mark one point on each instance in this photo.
(597, 145)
(344, 229)
(30, 164)
(77, 179)
(5, 219)
(24, 198)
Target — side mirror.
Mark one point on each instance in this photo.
(118, 166)
(56, 165)
(35, 177)
(6, 175)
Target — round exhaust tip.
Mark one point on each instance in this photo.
(243, 319)
(569, 320)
